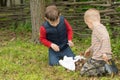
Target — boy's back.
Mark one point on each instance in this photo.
(100, 48)
(100, 42)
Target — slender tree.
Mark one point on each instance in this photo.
(37, 17)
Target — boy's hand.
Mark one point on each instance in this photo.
(87, 53)
(70, 43)
(105, 58)
(55, 47)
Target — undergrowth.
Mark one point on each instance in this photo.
(22, 60)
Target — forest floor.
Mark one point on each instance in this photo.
(20, 59)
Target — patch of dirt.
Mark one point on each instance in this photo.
(5, 36)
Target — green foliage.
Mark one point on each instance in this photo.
(116, 47)
(22, 27)
(80, 44)
(22, 60)
(114, 33)
(118, 9)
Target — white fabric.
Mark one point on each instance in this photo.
(69, 62)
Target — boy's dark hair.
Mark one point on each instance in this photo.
(52, 13)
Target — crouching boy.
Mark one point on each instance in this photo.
(100, 45)
(56, 33)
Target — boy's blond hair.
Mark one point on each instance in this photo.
(92, 14)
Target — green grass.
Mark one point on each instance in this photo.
(20, 59)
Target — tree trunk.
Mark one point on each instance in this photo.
(37, 17)
(21, 1)
(3, 3)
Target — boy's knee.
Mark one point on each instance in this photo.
(53, 63)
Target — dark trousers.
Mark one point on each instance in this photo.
(54, 56)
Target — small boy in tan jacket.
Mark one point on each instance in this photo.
(100, 44)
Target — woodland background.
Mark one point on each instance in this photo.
(22, 57)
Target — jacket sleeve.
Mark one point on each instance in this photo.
(69, 30)
(43, 38)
